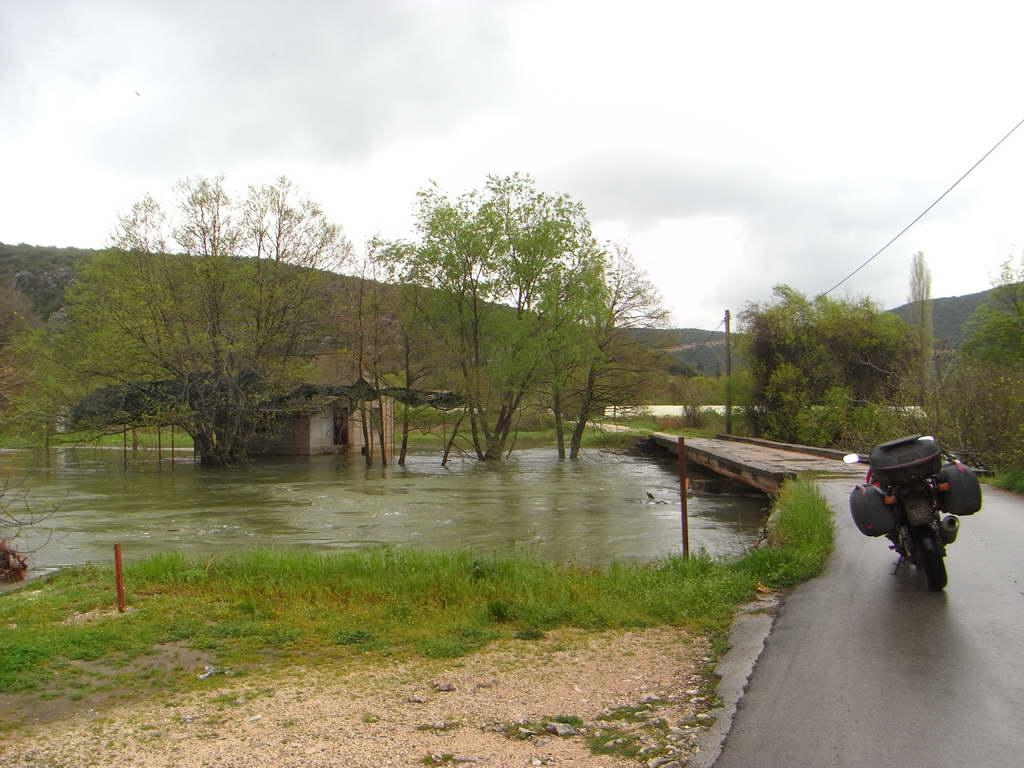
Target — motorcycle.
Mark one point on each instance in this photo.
(904, 496)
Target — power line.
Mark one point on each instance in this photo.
(703, 344)
(921, 215)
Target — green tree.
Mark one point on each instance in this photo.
(615, 368)
(996, 332)
(493, 259)
(806, 355)
(921, 315)
(224, 302)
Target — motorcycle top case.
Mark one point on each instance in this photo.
(963, 494)
(872, 516)
(905, 461)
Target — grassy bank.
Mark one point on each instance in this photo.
(145, 437)
(269, 607)
(1010, 480)
(594, 437)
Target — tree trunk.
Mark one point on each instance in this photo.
(556, 406)
(380, 433)
(367, 437)
(581, 421)
(405, 435)
(455, 431)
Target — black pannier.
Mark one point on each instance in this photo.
(904, 461)
(959, 489)
(870, 512)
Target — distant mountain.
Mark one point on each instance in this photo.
(949, 316)
(687, 350)
(41, 272)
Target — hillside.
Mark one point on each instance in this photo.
(41, 273)
(688, 349)
(950, 316)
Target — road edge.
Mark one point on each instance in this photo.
(747, 637)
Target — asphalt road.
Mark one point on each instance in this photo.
(869, 669)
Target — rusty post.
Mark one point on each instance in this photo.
(119, 577)
(124, 447)
(683, 512)
(172, 446)
(159, 447)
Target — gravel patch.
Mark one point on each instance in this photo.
(406, 713)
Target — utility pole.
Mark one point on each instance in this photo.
(728, 374)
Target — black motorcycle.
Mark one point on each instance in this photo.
(904, 496)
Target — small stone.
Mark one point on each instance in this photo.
(650, 698)
(562, 730)
(460, 759)
(416, 700)
(659, 762)
(525, 733)
(693, 691)
(436, 758)
(446, 687)
(541, 741)
(703, 716)
(698, 699)
(671, 764)
(254, 718)
(615, 743)
(647, 750)
(683, 731)
(187, 718)
(487, 684)
(536, 763)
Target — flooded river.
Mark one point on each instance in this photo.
(603, 507)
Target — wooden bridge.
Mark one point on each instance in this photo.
(761, 464)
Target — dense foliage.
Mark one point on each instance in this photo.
(528, 308)
(822, 367)
(223, 299)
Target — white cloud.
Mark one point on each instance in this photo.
(732, 145)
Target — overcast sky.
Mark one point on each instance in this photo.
(731, 146)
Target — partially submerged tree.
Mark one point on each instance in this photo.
(613, 367)
(494, 259)
(224, 301)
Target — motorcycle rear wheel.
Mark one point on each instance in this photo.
(928, 555)
(934, 568)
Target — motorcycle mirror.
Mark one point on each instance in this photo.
(851, 458)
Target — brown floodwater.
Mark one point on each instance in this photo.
(601, 508)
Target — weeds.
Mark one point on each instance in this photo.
(1009, 480)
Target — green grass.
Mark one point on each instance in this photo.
(270, 607)
(1010, 480)
(146, 437)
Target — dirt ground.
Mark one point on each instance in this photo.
(640, 694)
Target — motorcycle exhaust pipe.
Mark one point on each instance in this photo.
(949, 527)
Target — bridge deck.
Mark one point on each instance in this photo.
(762, 466)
